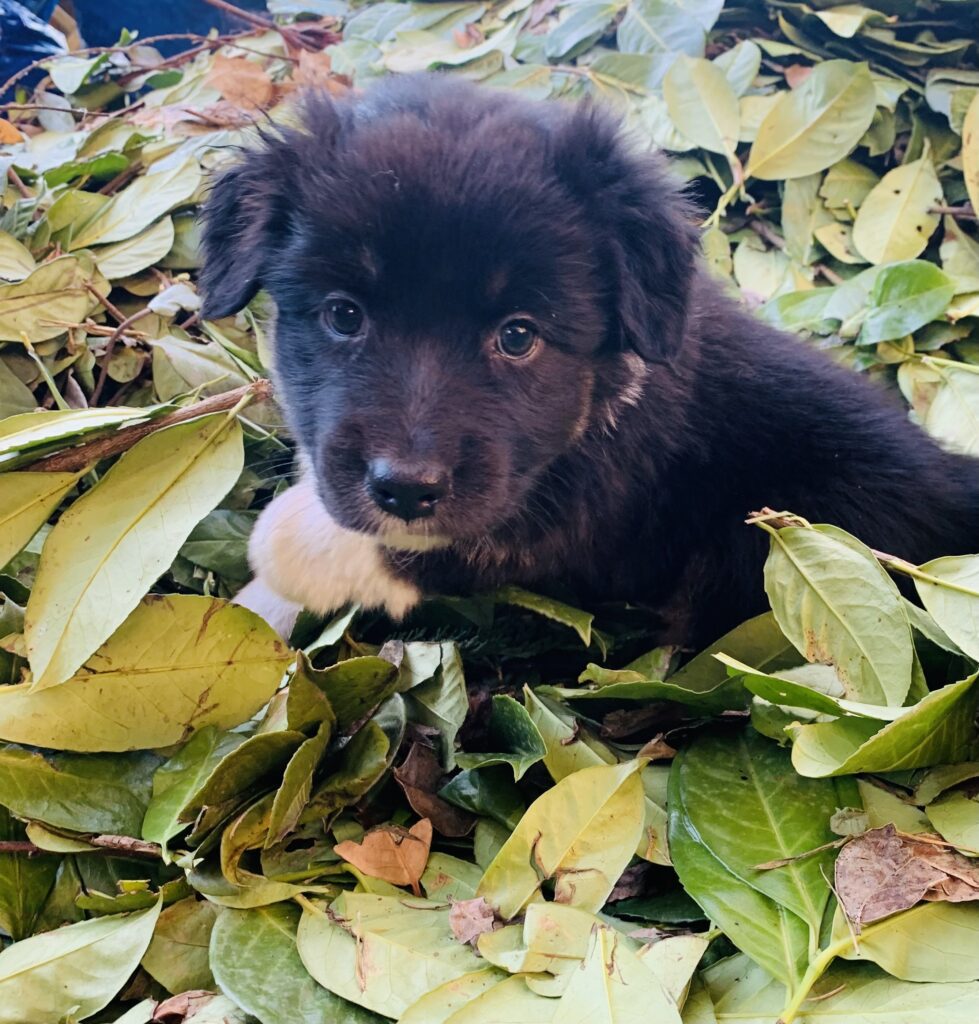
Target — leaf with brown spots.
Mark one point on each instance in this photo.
(885, 871)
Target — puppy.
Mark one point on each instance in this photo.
(503, 362)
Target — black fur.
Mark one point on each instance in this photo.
(443, 208)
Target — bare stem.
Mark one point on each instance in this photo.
(84, 455)
(111, 846)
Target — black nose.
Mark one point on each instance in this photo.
(408, 491)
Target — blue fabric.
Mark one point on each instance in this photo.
(24, 37)
(101, 21)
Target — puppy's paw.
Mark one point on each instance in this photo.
(301, 554)
(279, 612)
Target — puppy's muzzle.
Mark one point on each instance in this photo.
(407, 490)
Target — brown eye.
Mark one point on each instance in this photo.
(343, 316)
(517, 339)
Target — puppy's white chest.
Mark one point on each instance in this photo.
(302, 558)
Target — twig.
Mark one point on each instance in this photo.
(964, 212)
(104, 301)
(110, 346)
(111, 846)
(122, 178)
(18, 183)
(830, 275)
(74, 459)
(765, 231)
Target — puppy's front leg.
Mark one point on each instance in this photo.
(302, 558)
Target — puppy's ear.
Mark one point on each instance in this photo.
(643, 223)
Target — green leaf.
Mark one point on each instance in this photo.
(26, 502)
(139, 204)
(945, 398)
(748, 807)
(581, 834)
(905, 296)
(74, 970)
(894, 222)
(297, 784)
(362, 763)
(177, 956)
(382, 952)
(970, 156)
(84, 793)
(937, 730)
(845, 186)
(16, 261)
(937, 942)
(949, 590)
(25, 882)
(658, 26)
(702, 105)
(513, 732)
(442, 700)
(803, 213)
(815, 124)
(109, 548)
(486, 792)
(834, 602)
(123, 259)
(740, 64)
(355, 688)
(771, 935)
(40, 306)
(255, 961)
(956, 816)
(854, 993)
(177, 664)
(574, 618)
(796, 693)
(584, 24)
(179, 778)
(234, 777)
(571, 747)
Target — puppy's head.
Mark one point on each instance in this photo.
(462, 279)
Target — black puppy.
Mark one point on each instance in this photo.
(502, 362)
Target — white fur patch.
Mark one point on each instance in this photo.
(301, 555)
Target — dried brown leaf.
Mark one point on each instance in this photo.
(419, 776)
(241, 82)
(885, 871)
(469, 919)
(391, 853)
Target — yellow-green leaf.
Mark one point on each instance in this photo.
(582, 834)
(26, 501)
(970, 151)
(72, 972)
(816, 124)
(702, 104)
(893, 222)
(177, 664)
(50, 299)
(109, 548)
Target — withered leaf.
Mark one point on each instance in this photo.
(885, 871)
(469, 919)
(391, 853)
(420, 776)
(242, 82)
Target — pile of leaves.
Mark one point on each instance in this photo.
(503, 809)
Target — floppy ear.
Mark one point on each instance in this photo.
(646, 227)
(241, 220)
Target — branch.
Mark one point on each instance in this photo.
(74, 460)
(111, 846)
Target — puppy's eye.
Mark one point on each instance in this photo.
(517, 339)
(343, 316)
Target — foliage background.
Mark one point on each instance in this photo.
(150, 757)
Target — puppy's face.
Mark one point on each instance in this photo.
(451, 313)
